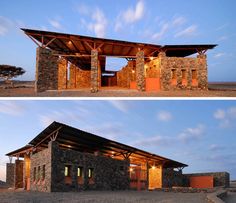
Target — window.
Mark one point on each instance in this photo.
(39, 175)
(43, 173)
(34, 174)
(67, 171)
(90, 173)
(79, 171)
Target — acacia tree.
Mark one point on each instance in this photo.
(8, 72)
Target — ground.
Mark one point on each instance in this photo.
(231, 196)
(7, 196)
(215, 90)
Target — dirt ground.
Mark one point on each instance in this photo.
(108, 92)
(102, 196)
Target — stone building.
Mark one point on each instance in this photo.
(66, 61)
(63, 158)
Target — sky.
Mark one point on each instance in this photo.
(198, 133)
(152, 21)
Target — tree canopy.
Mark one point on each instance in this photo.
(8, 72)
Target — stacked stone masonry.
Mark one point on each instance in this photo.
(62, 73)
(183, 69)
(46, 70)
(140, 71)
(94, 71)
(109, 174)
(83, 78)
(10, 174)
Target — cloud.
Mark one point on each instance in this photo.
(11, 108)
(83, 9)
(159, 35)
(122, 106)
(188, 32)
(219, 55)
(177, 21)
(55, 23)
(164, 116)
(222, 38)
(110, 130)
(215, 147)
(131, 15)
(222, 26)
(64, 116)
(191, 134)
(226, 117)
(99, 24)
(219, 114)
(154, 141)
(134, 14)
(5, 25)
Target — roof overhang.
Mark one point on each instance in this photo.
(77, 48)
(78, 140)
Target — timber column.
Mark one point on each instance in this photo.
(46, 70)
(140, 70)
(94, 70)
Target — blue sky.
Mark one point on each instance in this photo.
(198, 133)
(153, 21)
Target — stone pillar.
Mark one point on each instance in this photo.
(140, 71)
(202, 72)
(94, 71)
(165, 72)
(56, 168)
(19, 174)
(46, 70)
(62, 73)
(10, 174)
(72, 82)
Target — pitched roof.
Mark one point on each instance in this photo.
(72, 138)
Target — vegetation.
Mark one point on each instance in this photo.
(7, 72)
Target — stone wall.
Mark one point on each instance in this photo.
(219, 178)
(19, 174)
(126, 75)
(123, 77)
(179, 65)
(62, 73)
(72, 79)
(172, 178)
(38, 160)
(10, 174)
(83, 78)
(46, 70)
(109, 174)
